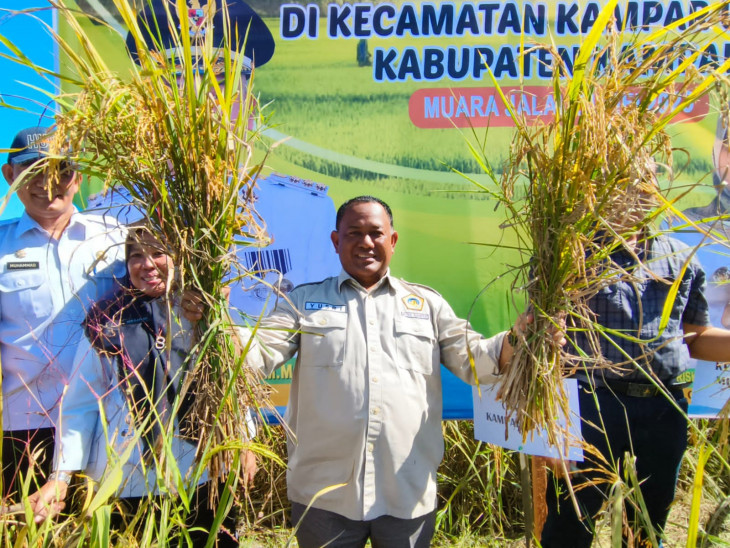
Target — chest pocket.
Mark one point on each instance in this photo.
(416, 346)
(323, 338)
(657, 292)
(26, 292)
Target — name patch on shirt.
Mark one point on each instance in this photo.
(417, 315)
(25, 265)
(324, 306)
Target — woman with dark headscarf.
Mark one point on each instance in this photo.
(134, 360)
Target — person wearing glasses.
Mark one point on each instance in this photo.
(54, 263)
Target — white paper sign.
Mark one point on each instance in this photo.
(489, 418)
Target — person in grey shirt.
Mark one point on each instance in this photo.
(365, 406)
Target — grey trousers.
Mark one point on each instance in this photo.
(320, 528)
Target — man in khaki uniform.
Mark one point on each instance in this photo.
(365, 403)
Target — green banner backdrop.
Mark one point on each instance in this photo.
(381, 98)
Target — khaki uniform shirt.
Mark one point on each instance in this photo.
(365, 403)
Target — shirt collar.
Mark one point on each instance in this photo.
(76, 228)
(645, 242)
(344, 277)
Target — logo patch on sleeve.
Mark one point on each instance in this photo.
(325, 306)
(413, 302)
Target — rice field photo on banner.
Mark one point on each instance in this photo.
(380, 98)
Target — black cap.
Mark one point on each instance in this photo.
(28, 145)
(159, 31)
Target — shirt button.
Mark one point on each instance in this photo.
(371, 322)
(322, 322)
(376, 411)
(373, 348)
(375, 379)
(371, 447)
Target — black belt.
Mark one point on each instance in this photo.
(640, 390)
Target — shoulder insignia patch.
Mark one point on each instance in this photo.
(413, 302)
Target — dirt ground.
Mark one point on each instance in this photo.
(678, 524)
(679, 521)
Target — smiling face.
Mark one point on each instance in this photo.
(149, 266)
(365, 242)
(49, 209)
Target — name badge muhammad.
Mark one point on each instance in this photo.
(25, 265)
(324, 306)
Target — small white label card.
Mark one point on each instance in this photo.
(489, 426)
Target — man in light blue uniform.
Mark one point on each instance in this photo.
(54, 262)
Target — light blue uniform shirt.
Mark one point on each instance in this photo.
(86, 438)
(46, 286)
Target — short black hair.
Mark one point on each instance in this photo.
(366, 199)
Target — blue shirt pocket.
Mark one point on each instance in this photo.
(25, 293)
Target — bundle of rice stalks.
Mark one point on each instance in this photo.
(576, 187)
(170, 134)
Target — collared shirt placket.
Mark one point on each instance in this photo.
(374, 376)
(65, 279)
(60, 290)
(636, 307)
(56, 265)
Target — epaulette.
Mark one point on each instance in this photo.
(6, 222)
(318, 189)
(96, 196)
(99, 199)
(314, 283)
(104, 219)
(419, 286)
